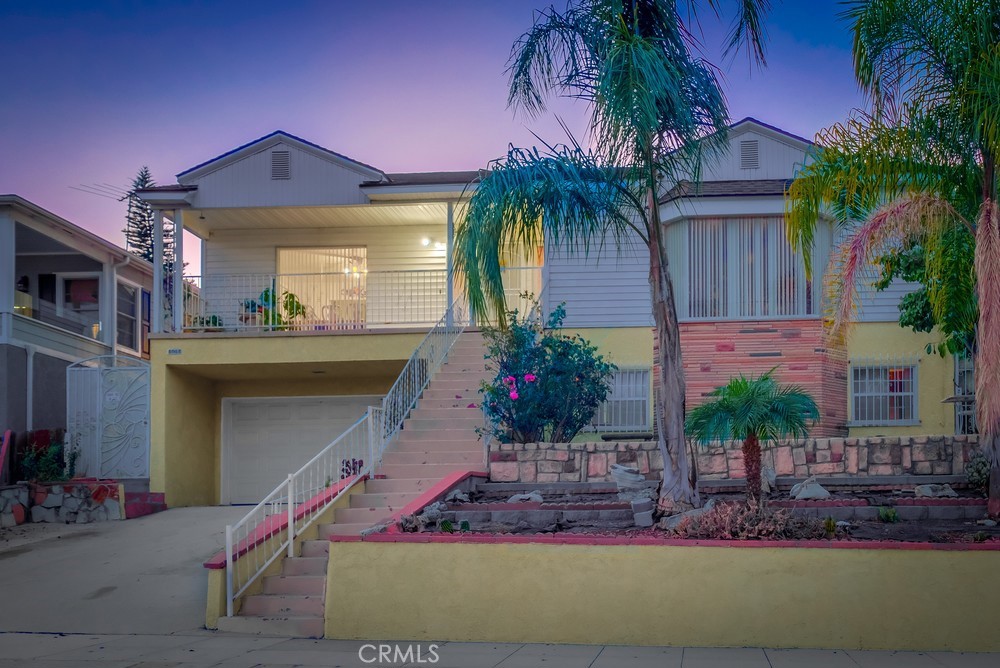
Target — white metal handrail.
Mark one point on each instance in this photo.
(269, 529)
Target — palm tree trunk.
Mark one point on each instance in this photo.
(751, 464)
(678, 490)
(987, 263)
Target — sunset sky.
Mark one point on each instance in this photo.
(94, 90)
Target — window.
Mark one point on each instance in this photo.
(627, 407)
(883, 394)
(741, 268)
(128, 316)
(78, 307)
(146, 311)
(965, 395)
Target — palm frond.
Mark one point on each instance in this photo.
(564, 197)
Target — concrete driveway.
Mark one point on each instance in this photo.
(136, 576)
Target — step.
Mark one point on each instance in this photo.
(437, 471)
(134, 509)
(417, 485)
(327, 530)
(393, 499)
(444, 422)
(263, 605)
(453, 384)
(304, 566)
(316, 548)
(447, 403)
(445, 412)
(425, 447)
(451, 394)
(311, 585)
(364, 515)
(467, 434)
(287, 627)
(471, 456)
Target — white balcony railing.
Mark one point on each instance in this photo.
(330, 302)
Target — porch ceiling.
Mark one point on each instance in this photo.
(297, 371)
(203, 221)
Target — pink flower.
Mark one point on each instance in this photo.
(513, 394)
(530, 377)
(510, 381)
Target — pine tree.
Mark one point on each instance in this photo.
(139, 219)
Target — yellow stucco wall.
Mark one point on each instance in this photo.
(935, 375)
(625, 346)
(665, 595)
(191, 376)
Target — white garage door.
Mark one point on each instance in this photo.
(266, 439)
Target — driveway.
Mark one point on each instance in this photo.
(137, 576)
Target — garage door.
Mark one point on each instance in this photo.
(266, 439)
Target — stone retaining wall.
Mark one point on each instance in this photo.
(63, 503)
(590, 462)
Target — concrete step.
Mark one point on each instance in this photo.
(281, 626)
(327, 530)
(386, 499)
(436, 471)
(444, 422)
(446, 412)
(316, 548)
(306, 585)
(424, 447)
(263, 605)
(304, 566)
(370, 516)
(453, 384)
(468, 396)
(470, 456)
(447, 403)
(416, 485)
(422, 435)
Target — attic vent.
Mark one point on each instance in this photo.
(749, 154)
(280, 165)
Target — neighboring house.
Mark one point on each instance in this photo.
(65, 295)
(321, 274)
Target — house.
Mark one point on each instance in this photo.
(320, 275)
(66, 295)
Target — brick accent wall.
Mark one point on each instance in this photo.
(857, 457)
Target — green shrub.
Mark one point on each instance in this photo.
(978, 472)
(888, 515)
(547, 385)
(50, 463)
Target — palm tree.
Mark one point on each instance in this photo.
(918, 169)
(754, 410)
(656, 110)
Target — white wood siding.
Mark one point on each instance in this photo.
(247, 182)
(875, 306)
(610, 288)
(777, 159)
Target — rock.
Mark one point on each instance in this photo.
(987, 523)
(934, 491)
(378, 528)
(809, 489)
(644, 519)
(844, 524)
(670, 523)
(642, 505)
(768, 480)
(626, 478)
(7, 520)
(42, 514)
(457, 496)
(113, 508)
(83, 517)
(53, 500)
(530, 497)
(99, 514)
(71, 504)
(3, 502)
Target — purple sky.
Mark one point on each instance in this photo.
(93, 94)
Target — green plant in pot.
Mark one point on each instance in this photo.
(279, 310)
(757, 411)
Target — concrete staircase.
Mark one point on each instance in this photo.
(438, 437)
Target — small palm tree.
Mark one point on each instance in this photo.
(754, 410)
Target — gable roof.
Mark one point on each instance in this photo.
(751, 121)
(279, 136)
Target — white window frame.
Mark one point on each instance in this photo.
(137, 326)
(61, 278)
(879, 421)
(643, 393)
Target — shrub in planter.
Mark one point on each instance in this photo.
(547, 385)
(47, 459)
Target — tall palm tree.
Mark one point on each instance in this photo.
(754, 410)
(656, 110)
(918, 170)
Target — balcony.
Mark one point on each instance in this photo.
(330, 302)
